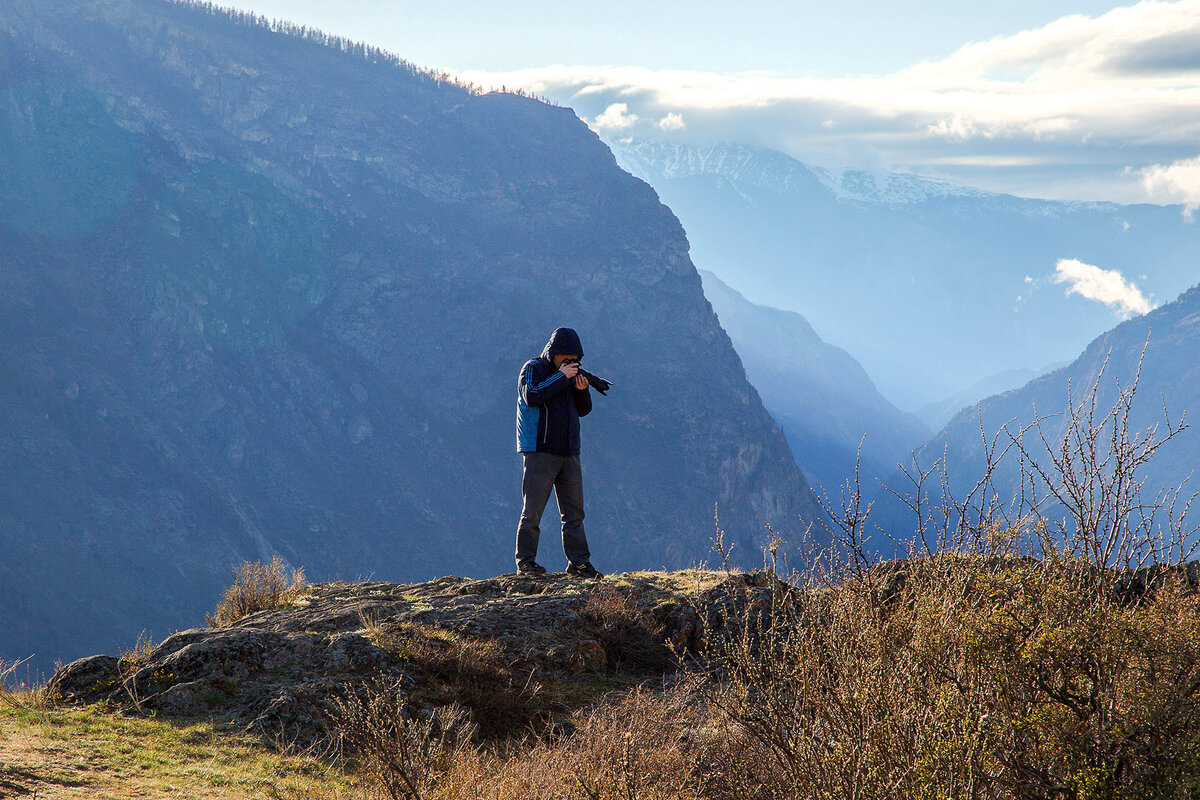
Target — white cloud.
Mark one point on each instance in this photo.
(1111, 91)
(615, 118)
(1106, 286)
(1178, 182)
(671, 122)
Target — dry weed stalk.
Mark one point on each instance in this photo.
(24, 695)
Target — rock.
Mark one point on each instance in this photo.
(585, 656)
(86, 678)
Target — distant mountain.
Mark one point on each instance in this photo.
(820, 396)
(940, 412)
(930, 285)
(265, 291)
(1169, 378)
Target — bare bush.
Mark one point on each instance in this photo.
(1019, 652)
(1080, 493)
(632, 748)
(258, 587)
(400, 753)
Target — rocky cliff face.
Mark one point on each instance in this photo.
(261, 293)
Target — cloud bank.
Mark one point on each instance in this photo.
(1178, 182)
(1083, 108)
(1107, 286)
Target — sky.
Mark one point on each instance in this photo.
(1063, 99)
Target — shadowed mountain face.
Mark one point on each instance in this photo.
(820, 396)
(931, 286)
(1166, 344)
(259, 295)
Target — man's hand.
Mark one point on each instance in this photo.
(581, 382)
(569, 369)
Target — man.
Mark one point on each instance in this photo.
(551, 397)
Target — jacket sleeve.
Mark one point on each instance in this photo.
(583, 401)
(538, 394)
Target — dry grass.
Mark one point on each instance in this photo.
(93, 754)
(22, 696)
(631, 639)
(258, 587)
(631, 748)
(474, 673)
(399, 752)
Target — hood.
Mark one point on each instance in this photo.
(564, 341)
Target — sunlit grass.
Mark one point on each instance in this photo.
(95, 753)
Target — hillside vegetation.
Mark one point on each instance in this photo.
(950, 676)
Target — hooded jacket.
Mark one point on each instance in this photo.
(548, 404)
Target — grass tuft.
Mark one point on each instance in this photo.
(258, 587)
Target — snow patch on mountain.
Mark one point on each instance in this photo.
(889, 188)
(654, 161)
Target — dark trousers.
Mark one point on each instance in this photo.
(543, 472)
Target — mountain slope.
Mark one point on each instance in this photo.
(931, 286)
(263, 292)
(1169, 379)
(820, 396)
(937, 414)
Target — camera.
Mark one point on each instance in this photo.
(599, 384)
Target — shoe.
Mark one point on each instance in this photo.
(584, 569)
(530, 568)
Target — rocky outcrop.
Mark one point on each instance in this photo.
(561, 640)
(265, 293)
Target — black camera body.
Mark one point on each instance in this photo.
(599, 384)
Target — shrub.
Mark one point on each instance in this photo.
(258, 587)
(631, 748)
(399, 753)
(976, 679)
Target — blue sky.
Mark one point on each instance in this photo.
(1065, 99)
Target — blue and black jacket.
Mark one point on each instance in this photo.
(548, 404)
